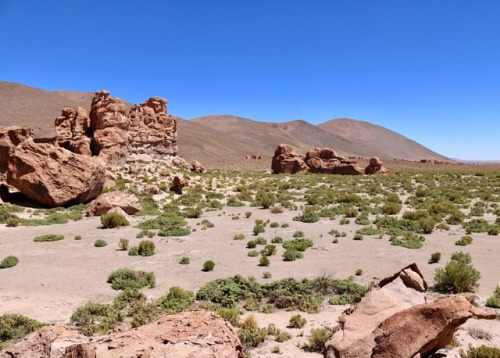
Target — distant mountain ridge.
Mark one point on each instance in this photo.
(223, 139)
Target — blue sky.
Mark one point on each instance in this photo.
(427, 69)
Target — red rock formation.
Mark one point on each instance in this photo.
(425, 328)
(54, 176)
(72, 127)
(187, 334)
(286, 160)
(375, 167)
(178, 183)
(115, 199)
(9, 138)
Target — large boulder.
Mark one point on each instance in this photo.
(355, 337)
(54, 176)
(375, 167)
(115, 199)
(9, 138)
(286, 160)
(72, 126)
(424, 329)
(183, 335)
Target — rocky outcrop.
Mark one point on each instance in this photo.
(355, 338)
(286, 160)
(317, 160)
(151, 130)
(424, 329)
(178, 183)
(395, 320)
(115, 199)
(54, 176)
(196, 167)
(71, 128)
(187, 334)
(375, 167)
(9, 138)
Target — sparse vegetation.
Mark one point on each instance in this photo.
(112, 220)
(9, 261)
(48, 238)
(128, 278)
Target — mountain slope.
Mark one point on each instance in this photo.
(221, 140)
(377, 139)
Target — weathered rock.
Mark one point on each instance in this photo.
(177, 184)
(356, 338)
(71, 128)
(115, 199)
(425, 328)
(54, 176)
(9, 138)
(133, 168)
(183, 335)
(153, 189)
(375, 167)
(286, 160)
(165, 172)
(347, 169)
(151, 129)
(197, 167)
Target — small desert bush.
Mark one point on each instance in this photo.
(307, 217)
(297, 321)
(133, 251)
(123, 244)
(258, 229)
(176, 300)
(232, 315)
(292, 255)
(277, 240)
(317, 339)
(494, 301)
(16, 326)
(9, 261)
(239, 237)
(279, 335)
(464, 241)
(184, 260)
(264, 261)
(96, 318)
(479, 333)
(100, 243)
(192, 213)
(113, 220)
(480, 352)
(146, 248)
(208, 266)
(435, 257)
(250, 334)
(13, 221)
(48, 237)
(128, 278)
(457, 277)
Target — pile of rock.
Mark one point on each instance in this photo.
(187, 334)
(319, 160)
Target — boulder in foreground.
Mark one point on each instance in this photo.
(115, 199)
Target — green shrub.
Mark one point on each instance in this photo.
(297, 321)
(250, 334)
(409, 241)
(279, 335)
(146, 248)
(358, 236)
(16, 326)
(248, 214)
(208, 265)
(239, 237)
(192, 213)
(307, 217)
(176, 300)
(269, 250)
(12, 221)
(299, 244)
(232, 315)
(123, 244)
(100, 243)
(264, 261)
(260, 241)
(358, 272)
(113, 220)
(462, 257)
(253, 253)
(265, 199)
(229, 291)
(274, 225)
(317, 339)
(252, 244)
(391, 208)
(78, 237)
(277, 240)
(96, 318)
(456, 277)
(267, 275)
(128, 278)
(48, 237)
(292, 255)
(258, 229)
(184, 260)
(207, 223)
(9, 261)
(363, 219)
(480, 352)
(464, 241)
(494, 301)
(435, 257)
(427, 225)
(133, 251)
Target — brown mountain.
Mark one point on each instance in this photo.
(222, 141)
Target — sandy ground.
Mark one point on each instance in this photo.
(53, 278)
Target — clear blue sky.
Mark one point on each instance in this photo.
(428, 69)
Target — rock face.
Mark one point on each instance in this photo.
(116, 199)
(9, 138)
(393, 294)
(375, 167)
(54, 176)
(317, 160)
(286, 160)
(424, 329)
(394, 320)
(187, 334)
(71, 128)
